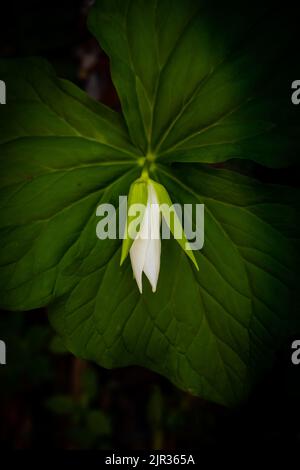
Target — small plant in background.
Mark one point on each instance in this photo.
(88, 426)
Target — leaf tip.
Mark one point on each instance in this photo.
(123, 256)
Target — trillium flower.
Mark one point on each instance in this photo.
(146, 248)
(144, 243)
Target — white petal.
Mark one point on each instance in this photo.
(146, 248)
(152, 260)
(139, 249)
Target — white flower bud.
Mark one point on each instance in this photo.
(146, 248)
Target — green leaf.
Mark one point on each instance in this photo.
(52, 178)
(253, 245)
(196, 88)
(41, 105)
(217, 328)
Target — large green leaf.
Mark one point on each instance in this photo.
(210, 331)
(61, 155)
(193, 88)
(251, 256)
(203, 80)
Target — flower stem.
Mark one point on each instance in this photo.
(148, 163)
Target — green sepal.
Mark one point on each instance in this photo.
(172, 220)
(138, 194)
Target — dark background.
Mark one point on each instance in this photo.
(50, 399)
